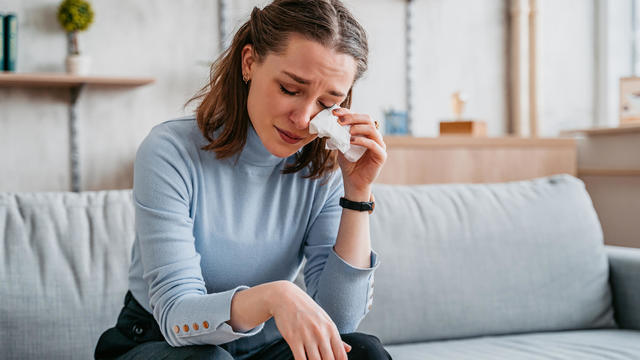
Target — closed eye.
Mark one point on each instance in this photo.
(293, 93)
(285, 91)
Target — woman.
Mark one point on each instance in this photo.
(229, 202)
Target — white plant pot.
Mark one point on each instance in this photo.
(78, 64)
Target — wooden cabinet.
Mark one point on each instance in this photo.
(609, 165)
(413, 160)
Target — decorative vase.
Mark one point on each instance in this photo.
(78, 64)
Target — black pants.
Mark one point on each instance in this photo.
(137, 336)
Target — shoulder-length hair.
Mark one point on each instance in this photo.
(224, 98)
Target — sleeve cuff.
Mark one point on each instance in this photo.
(204, 320)
(227, 328)
(343, 263)
(354, 286)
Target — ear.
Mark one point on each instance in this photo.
(248, 60)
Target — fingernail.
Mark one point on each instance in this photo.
(353, 138)
(337, 111)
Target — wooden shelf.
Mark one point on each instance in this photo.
(622, 129)
(460, 159)
(66, 80)
(75, 85)
(608, 172)
(468, 141)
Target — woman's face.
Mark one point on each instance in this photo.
(288, 90)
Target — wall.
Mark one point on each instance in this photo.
(460, 45)
(566, 70)
(171, 41)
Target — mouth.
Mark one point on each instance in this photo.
(288, 137)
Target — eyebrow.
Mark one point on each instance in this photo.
(302, 81)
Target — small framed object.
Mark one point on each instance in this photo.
(629, 100)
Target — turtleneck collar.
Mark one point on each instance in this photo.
(255, 153)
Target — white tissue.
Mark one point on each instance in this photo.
(325, 124)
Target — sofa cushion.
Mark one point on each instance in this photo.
(484, 259)
(63, 270)
(584, 345)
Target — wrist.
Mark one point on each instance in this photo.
(357, 194)
(277, 292)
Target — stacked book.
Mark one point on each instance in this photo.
(8, 42)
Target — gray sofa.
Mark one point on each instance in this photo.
(487, 271)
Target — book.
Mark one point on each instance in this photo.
(10, 42)
(1, 42)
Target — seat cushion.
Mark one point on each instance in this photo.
(584, 345)
(471, 260)
(63, 268)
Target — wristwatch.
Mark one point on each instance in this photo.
(359, 205)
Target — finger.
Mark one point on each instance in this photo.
(368, 131)
(341, 111)
(347, 347)
(298, 351)
(351, 119)
(377, 151)
(326, 350)
(312, 351)
(339, 348)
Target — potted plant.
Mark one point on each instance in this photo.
(75, 16)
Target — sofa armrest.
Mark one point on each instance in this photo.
(624, 272)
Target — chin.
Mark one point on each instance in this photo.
(277, 148)
(283, 153)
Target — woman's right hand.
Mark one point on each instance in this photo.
(305, 326)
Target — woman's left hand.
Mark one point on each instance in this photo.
(358, 176)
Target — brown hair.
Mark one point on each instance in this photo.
(224, 98)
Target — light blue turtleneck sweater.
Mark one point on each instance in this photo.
(207, 228)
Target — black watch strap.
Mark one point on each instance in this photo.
(358, 205)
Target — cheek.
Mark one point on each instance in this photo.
(257, 105)
(281, 106)
(265, 103)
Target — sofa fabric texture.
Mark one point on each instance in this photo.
(487, 259)
(63, 270)
(582, 345)
(522, 259)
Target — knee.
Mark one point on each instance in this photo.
(365, 346)
(206, 352)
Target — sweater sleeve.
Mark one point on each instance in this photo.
(162, 192)
(344, 291)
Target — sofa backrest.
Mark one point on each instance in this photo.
(456, 261)
(485, 259)
(63, 271)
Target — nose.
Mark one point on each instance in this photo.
(302, 115)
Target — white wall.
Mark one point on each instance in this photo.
(171, 41)
(566, 68)
(460, 45)
(617, 55)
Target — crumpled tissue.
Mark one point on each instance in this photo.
(325, 124)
